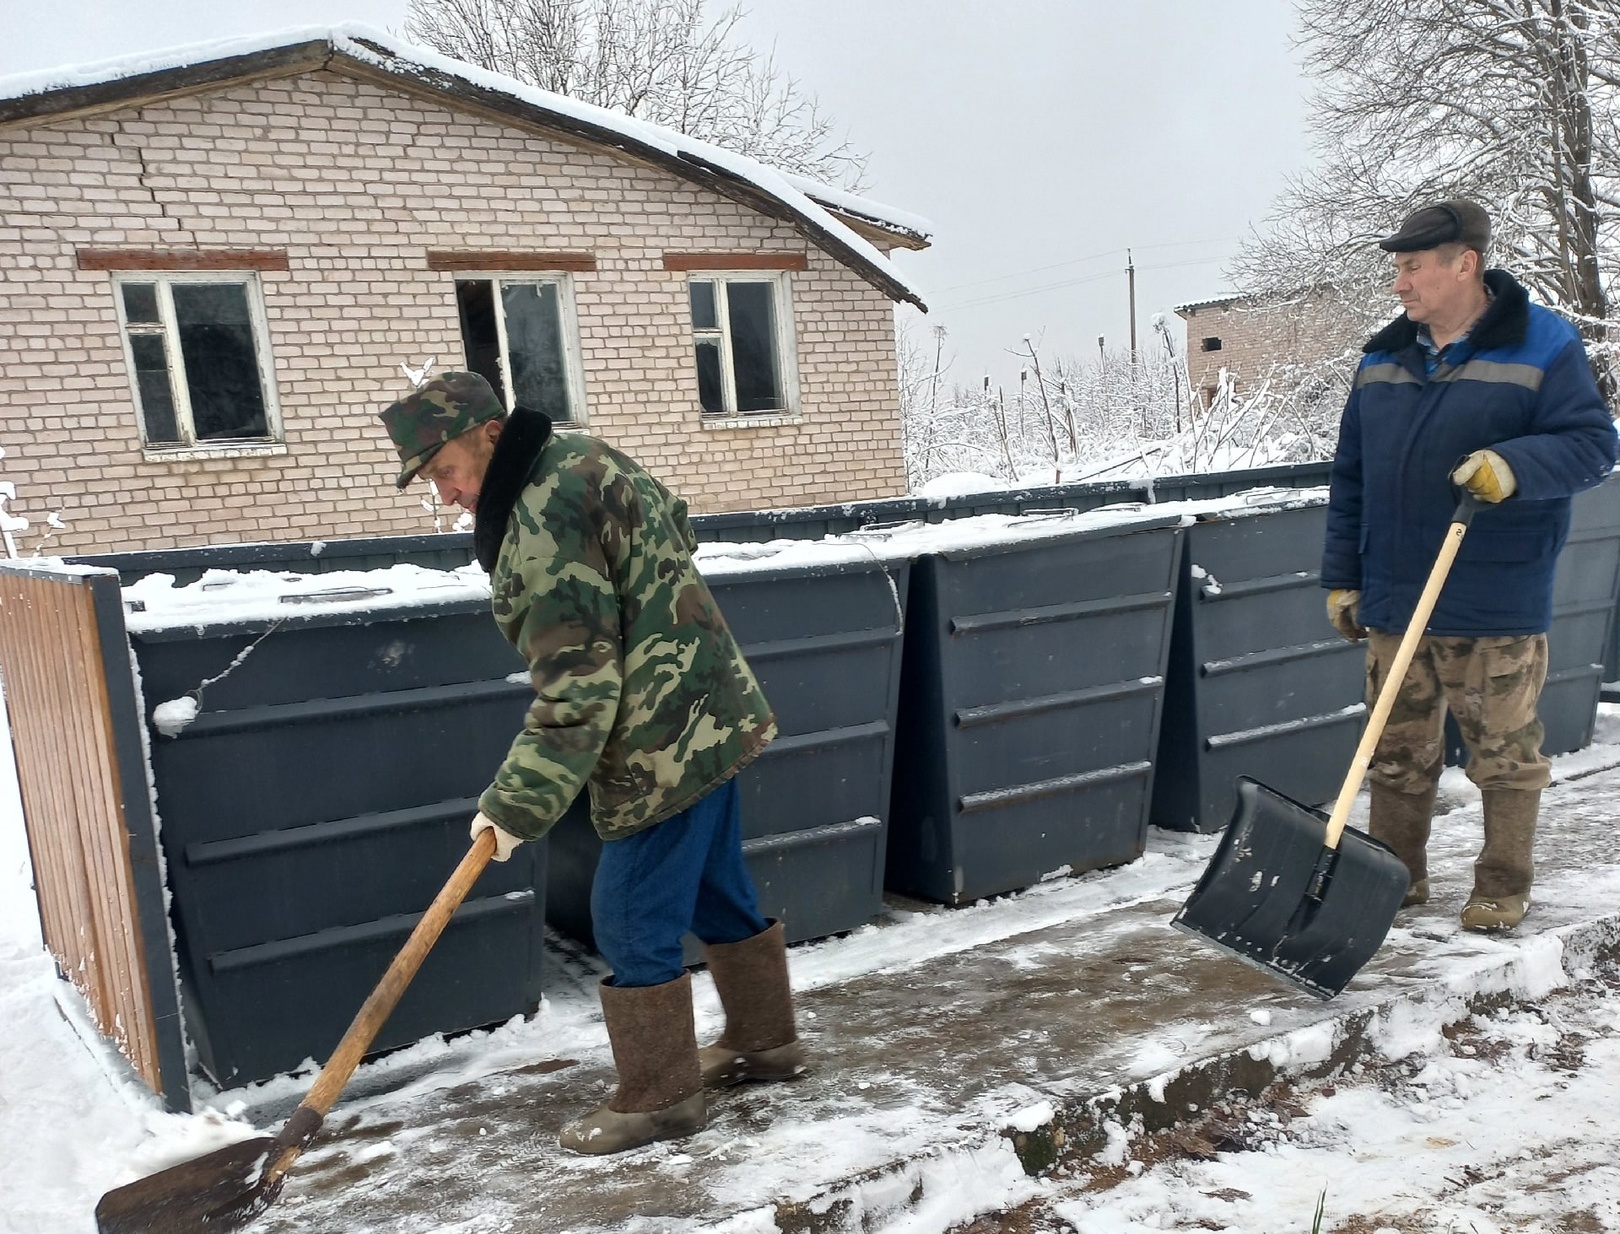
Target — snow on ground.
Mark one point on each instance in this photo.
(1499, 1125)
(1505, 1123)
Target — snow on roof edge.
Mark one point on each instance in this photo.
(383, 51)
(863, 207)
(1211, 302)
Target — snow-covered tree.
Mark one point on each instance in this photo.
(1512, 103)
(664, 61)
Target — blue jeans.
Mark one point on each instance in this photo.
(685, 873)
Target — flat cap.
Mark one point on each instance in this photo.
(1446, 222)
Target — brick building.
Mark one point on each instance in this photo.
(1250, 338)
(212, 268)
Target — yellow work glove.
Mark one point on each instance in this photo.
(1486, 475)
(1342, 606)
(505, 841)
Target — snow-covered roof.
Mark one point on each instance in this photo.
(906, 229)
(1192, 306)
(813, 209)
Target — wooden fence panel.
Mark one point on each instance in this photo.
(75, 788)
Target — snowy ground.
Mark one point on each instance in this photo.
(1504, 1123)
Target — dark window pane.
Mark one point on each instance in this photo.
(534, 348)
(752, 313)
(152, 380)
(704, 316)
(222, 368)
(710, 390)
(140, 303)
(475, 300)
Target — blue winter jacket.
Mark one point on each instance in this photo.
(1520, 384)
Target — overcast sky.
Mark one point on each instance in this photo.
(1041, 137)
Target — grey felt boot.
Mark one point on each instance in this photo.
(1505, 867)
(759, 1042)
(1401, 820)
(660, 1094)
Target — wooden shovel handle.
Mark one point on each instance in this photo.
(1387, 693)
(368, 1021)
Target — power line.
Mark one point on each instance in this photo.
(1076, 261)
(1003, 297)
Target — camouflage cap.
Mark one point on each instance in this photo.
(440, 410)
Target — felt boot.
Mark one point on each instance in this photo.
(660, 1094)
(759, 1042)
(1505, 867)
(1401, 820)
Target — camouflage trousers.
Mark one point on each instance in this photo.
(1491, 685)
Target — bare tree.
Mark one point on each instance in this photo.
(662, 61)
(1510, 102)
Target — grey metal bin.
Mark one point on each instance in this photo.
(1586, 590)
(1030, 705)
(312, 810)
(1260, 684)
(1580, 640)
(825, 642)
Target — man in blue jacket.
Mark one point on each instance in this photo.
(1473, 386)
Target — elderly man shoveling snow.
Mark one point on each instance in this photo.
(643, 695)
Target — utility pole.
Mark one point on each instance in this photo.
(1130, 274)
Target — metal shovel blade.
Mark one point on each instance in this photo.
(1275, 896)
(223, 1190)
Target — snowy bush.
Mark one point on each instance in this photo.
(1070, 420)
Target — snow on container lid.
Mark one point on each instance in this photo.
(231, 597)
(993, 533)
(1251, 502)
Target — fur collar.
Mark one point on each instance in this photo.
(517, 450)
(1503, 325)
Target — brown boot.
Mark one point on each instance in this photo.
(660, 1095)
(1505, 867)
(759, 1042)
(1401, 820)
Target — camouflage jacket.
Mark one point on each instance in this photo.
(641, 690)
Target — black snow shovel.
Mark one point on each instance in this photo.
(1295, 892)
(226, 1189)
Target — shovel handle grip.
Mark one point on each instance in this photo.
(1467, 506)
(368, 1021)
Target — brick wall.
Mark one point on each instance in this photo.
(1258, 338)
(355, 183)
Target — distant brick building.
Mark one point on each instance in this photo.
(211, 273)
(1250, 338)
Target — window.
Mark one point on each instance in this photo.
(198, 357)
(519, 334)
(1210, 344)
(742, 342)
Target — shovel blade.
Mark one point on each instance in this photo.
(223, 1190)
(1275, 896)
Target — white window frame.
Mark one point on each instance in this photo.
(786, 341)
(573, 369)
(190, 446)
